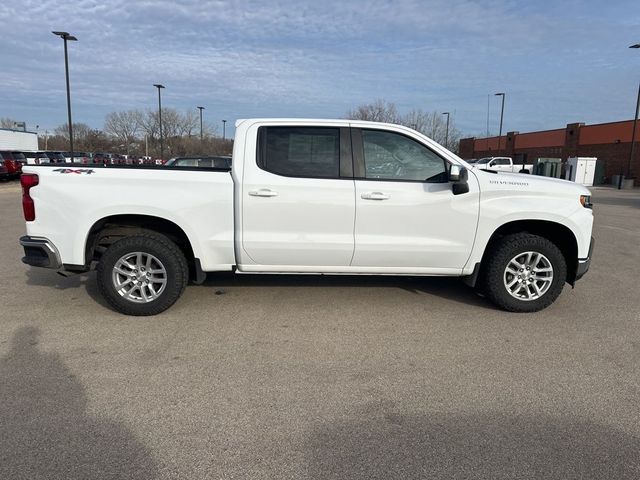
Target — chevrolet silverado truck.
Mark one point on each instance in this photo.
(309, 196)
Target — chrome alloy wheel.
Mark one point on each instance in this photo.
(528, 276)
(139, 277)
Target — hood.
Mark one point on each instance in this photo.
(530, 182)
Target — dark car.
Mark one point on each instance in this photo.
(55, 157)
(117, 159)
(12, 164)
(19, 156)
(102, 158)
(204, 161)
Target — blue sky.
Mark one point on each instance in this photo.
(558, 61)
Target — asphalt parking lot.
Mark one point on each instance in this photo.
(323, 377)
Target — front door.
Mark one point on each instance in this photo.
(407, 217)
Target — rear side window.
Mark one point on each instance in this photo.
(300, 151)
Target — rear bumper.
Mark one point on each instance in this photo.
(40, 252)
(584, 263)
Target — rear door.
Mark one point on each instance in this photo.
(298, 205)
(407, 217)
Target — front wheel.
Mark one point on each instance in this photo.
(142, 274)
(524, 273)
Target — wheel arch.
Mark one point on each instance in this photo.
(557, 233)
(109, 229)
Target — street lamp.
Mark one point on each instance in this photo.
(68, 37)
(224, 129)
(200, 108)
(635, 123)
(446, 135)
(159, 86)
(501, 94)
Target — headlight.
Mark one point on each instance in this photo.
(585, 201)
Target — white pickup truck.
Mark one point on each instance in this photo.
(503, 164)
(309, 196)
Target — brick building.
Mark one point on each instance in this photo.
(609, 142)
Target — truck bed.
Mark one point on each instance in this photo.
(69, 201)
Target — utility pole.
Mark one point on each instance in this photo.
(501, 94)
(159, 87)
(66, 37)
(446, 135)
(200, 108)
(224, 129)
(635, 126)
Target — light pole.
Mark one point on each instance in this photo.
(635, 123)
(200, 108)
(159, 87)
(501, 94)
(446, 135)
(224, 129)
(68, 37)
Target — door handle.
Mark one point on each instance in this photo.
(375, 196)
(263, 192)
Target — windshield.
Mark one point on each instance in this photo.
(484, 160)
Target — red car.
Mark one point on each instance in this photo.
(12, 162)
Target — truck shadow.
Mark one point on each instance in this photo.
(46, 430)
(390, 446)
(448, 288)
(444, 287)
(47, 278)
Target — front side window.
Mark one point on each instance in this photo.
(300, 151)
(391, 156)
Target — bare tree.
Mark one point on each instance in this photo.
(85, 138)
(432, 124)
(6, 122)
(124, 126)
(378, 111)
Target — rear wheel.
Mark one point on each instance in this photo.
(142, 274)
(524, 273)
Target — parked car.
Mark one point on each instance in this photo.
(82, 157)
(117, 159)
(55, 157)
(102, 158)
(37, 158)
(12, 163)
(3, 172)
(78, 157)
(311, 196)
(208, 161)
(502, 164)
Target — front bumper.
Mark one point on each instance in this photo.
(40, 252)
(584, 263)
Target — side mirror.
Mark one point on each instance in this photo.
(458, 176)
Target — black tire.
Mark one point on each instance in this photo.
(497, 259)
(167, 252)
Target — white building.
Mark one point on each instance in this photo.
(18, 140)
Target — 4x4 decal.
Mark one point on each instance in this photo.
(79, 171)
